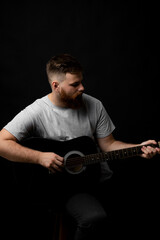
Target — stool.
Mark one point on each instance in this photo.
(59, 228)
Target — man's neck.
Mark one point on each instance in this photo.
(55, 101)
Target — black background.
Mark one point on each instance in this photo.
(117, 43)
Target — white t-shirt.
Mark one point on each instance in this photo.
(43, 119)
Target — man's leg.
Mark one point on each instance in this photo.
(87, 214)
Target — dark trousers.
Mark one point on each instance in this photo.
(87, 215)
(79, 198)
(82, 200)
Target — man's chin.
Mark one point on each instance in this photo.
(76, 103)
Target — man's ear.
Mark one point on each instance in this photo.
(55, 85)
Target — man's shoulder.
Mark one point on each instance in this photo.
(91, 102)
(38, 104)
(90, 98)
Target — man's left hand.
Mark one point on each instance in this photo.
(149, 152)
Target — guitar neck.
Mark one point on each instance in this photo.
(113, 155)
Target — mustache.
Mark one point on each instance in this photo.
(79, 94)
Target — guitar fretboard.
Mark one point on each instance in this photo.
(113, 155)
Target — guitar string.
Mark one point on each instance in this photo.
(105, 156)
(94, 158)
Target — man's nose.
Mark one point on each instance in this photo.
(81, 88)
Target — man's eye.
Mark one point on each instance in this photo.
(74, 84)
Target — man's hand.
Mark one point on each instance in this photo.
(51, 161)
(149, 152)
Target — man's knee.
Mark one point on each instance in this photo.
(85, 209)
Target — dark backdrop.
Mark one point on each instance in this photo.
(117, 43)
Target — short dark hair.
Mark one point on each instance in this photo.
(62, 64)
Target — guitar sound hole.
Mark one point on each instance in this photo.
(73, 162)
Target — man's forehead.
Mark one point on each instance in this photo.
(74, 77)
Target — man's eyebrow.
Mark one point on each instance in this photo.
(76, 82)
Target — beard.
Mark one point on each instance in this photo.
(75, 101)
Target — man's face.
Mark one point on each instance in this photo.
(71, 89)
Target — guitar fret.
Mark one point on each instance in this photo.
(117, 153)
(106, 156)
(112, 155)
(121, 154)
(88, 158)
(130, 153)
(125, 153)
(135, 150)
(101, 157)
(91, 159)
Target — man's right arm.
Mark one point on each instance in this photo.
(13, 151)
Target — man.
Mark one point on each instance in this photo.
(64, 114)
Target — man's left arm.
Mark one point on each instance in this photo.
(109, 143)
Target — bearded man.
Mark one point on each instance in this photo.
(65, 114)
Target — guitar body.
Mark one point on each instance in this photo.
(71, 149)
(84, 145)
(36, 174)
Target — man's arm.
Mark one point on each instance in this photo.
(109, 144)
(13, 151)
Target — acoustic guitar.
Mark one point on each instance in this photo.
(80, 153)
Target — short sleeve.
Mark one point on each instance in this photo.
(21, 126)
(104, 125)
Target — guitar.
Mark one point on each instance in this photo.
(81, 153)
